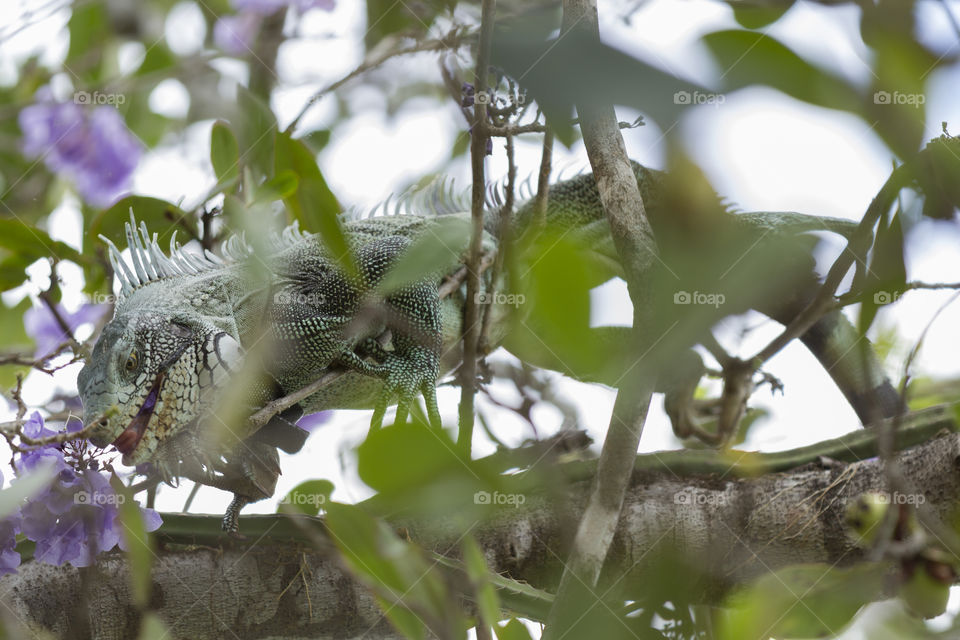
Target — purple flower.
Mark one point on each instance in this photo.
(9, 527)
(235, 34)
(94, 148)
(313, 420)
(77, 516)
(266, 7)
(306, 5)
(41, 325)
(39, 455)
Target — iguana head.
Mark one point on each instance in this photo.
(151, 374)
(157, 364)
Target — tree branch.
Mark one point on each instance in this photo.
(733, 528)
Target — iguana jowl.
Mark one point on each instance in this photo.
(184, 322)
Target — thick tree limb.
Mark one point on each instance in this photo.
(279, 586)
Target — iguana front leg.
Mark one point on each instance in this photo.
(412, 367)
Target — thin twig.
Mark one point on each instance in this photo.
(454, 39)
(478, 153)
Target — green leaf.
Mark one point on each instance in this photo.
(138, 542)
(313, 204)
(152, 627)
(397, 571)
(89, 28)
(757, 16)
(317, 140)
(255, 128)
(488, 605)
(31, 243)
(431, 253)
(307, 497)
(513, 630)
(592, 72)
(14, 339)
(804, 601)
(387, 18)
(748, 58)
(157, 58)
(279, 187)
(433, 477)
(886, 273)
(25, 487)
(554, 279)
(161, 217)
(224, 152)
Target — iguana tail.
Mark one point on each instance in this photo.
(574, 206)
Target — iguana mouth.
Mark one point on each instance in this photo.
(128, 440)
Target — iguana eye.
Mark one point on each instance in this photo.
(132, 361)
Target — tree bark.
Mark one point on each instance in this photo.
(733, 528)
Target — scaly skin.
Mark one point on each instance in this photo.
(184, 323)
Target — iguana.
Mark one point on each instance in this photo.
(184, 321)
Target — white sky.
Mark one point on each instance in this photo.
(762, 150)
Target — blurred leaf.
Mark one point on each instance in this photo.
(14, 339)
(145, 123)
(317, 140)
(591, 72)
(748, 58)
(31, 243)
(313, 204)
(307, 497)
(804, 601)
(279, 187)
(555, 276)
(224, 152)
(513, 630)
(13, 271)
(387, 18)
(433, 479)
(89, 29)
(161, 217)
(158, 57)
(886, 277)
(488, 605)
(938, 177)
(758, 15)
(410, 589)
(152, 627)
(25, 487)
(431, 253)
(255, 131)
(901, 66)
(137, 540)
